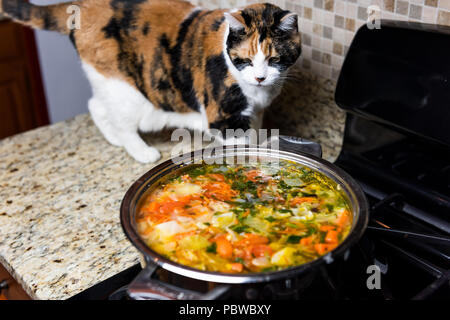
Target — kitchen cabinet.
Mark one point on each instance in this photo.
(13, 290)
(22, 100)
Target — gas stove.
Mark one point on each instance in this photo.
(395, 85)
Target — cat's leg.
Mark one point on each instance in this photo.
(99, 114)
(233, 130)
(117, 108)
(127, 121)
(257, 119)
(138, 149)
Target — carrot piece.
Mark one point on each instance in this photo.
(237, 267)
(224, 247)
(219, 190)
(306, 241)
(327, 228)
(243, 253)
(320, 248)
(323, 248)
(252, 175)
(261, 250)
(252, 239)
(331, 237)
(151, 207)
(217, 176)
(171, 206)
(290, 230)
(343, 219)
(146, 232)
(300, 200)
(158, 218)
(259, 190)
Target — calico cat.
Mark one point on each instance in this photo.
(166, 63)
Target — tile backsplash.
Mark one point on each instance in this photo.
(328, 26)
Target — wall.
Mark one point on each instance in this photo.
(66, 87)
(328, 26)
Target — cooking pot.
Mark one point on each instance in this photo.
(293, 149)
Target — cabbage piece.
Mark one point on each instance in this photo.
(224, 220)
(293, 182)
(186, 189)
(194, 242)
(166, 230)
(283, 257)
(258, 224)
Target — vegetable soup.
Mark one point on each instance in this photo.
(244, 218)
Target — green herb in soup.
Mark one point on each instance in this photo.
(238, 219)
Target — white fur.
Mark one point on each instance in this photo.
(289, 22)
(233, 23)
(119, 111)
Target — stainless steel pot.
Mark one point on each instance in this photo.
(293, 149)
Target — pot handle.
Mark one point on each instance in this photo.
(296, 144)
(144, 287)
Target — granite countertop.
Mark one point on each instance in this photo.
(61, 188)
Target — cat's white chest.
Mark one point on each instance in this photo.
(259, 97)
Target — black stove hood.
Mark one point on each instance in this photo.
(399, 76)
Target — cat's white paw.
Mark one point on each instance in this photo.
(145, 155)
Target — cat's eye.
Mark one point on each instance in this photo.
(249, 62)
(274, 60)
(242, 63)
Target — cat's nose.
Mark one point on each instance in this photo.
(260, 79)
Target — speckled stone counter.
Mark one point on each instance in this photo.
(61, 188)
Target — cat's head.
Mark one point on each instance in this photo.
(262, 43)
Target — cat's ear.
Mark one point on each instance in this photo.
(235, 20)
(289, 22)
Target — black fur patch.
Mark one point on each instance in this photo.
(17, 9)
(235, 37)
(181, 75)
(50, 23)
(216, 70)
(146, 28)
(240, 64)
(166, 106)
(235, 121)
(205, 99)
(248, 16)
(216, 25)
(162, 81)
(164, 42)
(163, 85)
(263, 35)
(288, 54)
(233, 100)
(72, 38)
(119, 27)
(231, 106)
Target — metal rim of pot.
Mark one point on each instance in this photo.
(292, 149)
